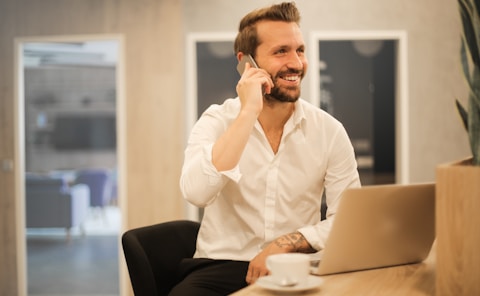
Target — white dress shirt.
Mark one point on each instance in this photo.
(267, 195)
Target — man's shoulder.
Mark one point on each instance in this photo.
(229, 106)
(313, 111)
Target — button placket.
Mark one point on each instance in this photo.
(270, 199)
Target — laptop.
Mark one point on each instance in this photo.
(380, 226)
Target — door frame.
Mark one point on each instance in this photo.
(19, 134)
(401, 82)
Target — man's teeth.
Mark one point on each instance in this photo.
(291, 78)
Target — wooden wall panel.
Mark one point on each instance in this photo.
(8, 247)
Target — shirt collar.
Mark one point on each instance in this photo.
(299, 113)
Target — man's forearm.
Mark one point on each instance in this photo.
(228, 149)
(294, 242)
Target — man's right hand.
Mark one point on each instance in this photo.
(251, 87)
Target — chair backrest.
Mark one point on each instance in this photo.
(153, 253)
(98, 182)
(45, 183)
(47, 202)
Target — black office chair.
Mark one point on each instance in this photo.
(153, 253)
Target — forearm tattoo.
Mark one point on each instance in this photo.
(295, 242)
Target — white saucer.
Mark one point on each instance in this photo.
(267, 283)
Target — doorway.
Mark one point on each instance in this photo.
(70, 133)
(359, 78)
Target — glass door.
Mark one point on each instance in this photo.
(72, 213)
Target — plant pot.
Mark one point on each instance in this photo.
(458, 229)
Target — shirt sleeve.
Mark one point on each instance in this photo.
(200, 181)
(341, 174)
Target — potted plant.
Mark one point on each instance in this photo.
(458, 184)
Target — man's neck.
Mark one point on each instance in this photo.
(275, 114)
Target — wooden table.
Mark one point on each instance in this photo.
(412, 279)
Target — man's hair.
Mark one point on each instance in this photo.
(247, 39)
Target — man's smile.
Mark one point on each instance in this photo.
(291, 77)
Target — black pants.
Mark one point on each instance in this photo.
(199, 276)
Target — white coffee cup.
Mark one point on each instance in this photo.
(289, 268)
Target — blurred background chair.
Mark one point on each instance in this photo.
(52, 203)
(98, 180)
(153, 253)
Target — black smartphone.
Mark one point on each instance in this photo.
(241, 65)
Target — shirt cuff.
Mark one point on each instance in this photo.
(316, 235)
(214, 175)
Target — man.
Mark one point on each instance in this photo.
(259, 163)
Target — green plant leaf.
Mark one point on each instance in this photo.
(463, 114)
(474, 115)
(467, 4)
(474, 130)
(477, 6)
(469, 17)
(464, 60)
(474, 97)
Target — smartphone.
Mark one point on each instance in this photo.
(241, 65)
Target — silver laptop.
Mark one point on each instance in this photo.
(380, 226)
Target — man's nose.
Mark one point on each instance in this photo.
(295, 61)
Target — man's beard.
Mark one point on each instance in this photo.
(285, 94)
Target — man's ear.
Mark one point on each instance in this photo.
(240, 56)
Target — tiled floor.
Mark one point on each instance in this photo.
(84, 265)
